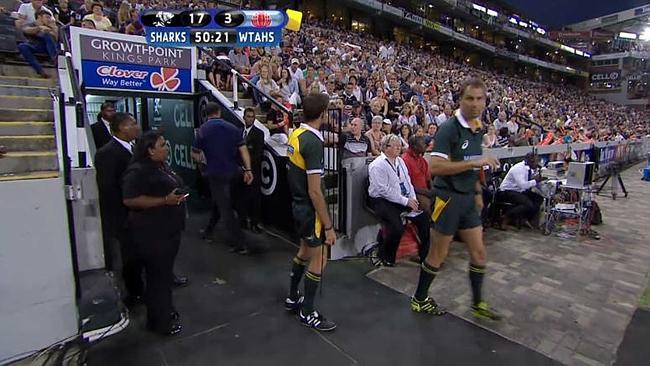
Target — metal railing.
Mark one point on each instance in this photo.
(237, 76)
(334, 177)
(77, 99)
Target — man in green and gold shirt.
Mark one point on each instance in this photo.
(313, 224)
(456, 161)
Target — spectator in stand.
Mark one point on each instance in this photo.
(101, 22)
(239, 61)
(87, 24)
(375, 134)
(503, 138)
(354, 143)
(430, 136)
(3, 151)
(289, 87)
(27, 12)
(445, 115)
(124, 16)
(63, 13)
(406, 116)
(404, 135)
(268, 86)
(42, 36)
(490, 138)
(500, 122)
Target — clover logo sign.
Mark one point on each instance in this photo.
(165, 80)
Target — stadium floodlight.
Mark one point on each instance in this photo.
(492, 13)
(627, 35)
(523, 24)
(479, 8)
(579, 53)
(587, 55)
(431, 6)
(540, 31)
(567, 48)
(513, 20)
(645, 36)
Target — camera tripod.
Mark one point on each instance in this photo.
(615, 175)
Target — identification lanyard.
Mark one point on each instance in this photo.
(403, 190)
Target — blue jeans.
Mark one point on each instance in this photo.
(256, 95)
(42, 43)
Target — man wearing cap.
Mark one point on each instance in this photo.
(297, 74)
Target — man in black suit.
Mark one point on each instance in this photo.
(101, 129)
(250, 194)
(111, 160)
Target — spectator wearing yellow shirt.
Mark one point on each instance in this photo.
(97, 17)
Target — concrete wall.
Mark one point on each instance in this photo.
(37, 298)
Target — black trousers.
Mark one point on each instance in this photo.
(389, 215)
(526, 204)
(249, 200)
(131, 265)
(158, 255)
(221, 191)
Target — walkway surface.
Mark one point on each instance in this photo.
(568, 298)
(565, 299)
(232, 313)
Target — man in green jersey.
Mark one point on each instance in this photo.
(313, 224)
(456, 161)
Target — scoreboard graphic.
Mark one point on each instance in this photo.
(218, 28)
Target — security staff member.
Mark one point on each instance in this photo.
(111, 162)
(101, 129)
(313, 223)
(154, 194)
(455, 163)
(249, 194)
(515, 189)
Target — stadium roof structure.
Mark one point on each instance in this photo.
(633, 21)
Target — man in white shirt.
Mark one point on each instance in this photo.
(391, 193)
(27, 12)
(500, 122)
(297, 74)
(515, 189)
(442, 117)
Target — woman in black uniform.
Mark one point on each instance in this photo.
(154, 194)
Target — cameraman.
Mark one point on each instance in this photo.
(515, 189)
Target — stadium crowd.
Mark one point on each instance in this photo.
(412, 89)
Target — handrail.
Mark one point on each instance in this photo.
(242, 78)
(79, 100)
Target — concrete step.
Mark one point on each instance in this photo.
(24, 90)
(31, 161)
(228, 94)
(28, 143)
(23, 102)
(46, 174)
(26, 128)
(24, 70)
(30, 81)
(245, 103)
(10, 114)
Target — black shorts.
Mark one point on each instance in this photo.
(308, 225)
(452, 211)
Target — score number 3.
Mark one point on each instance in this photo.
(229, 19)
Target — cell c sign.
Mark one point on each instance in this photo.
(606, 76)
(119, 62)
